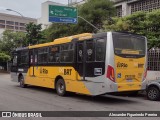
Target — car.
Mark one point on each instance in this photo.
(153, 90)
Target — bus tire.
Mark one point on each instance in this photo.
(21, 82)
(61, 87)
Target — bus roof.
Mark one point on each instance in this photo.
(64, 40)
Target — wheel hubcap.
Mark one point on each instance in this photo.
(152, 94)
(61, 88)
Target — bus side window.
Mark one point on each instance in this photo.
(24, 58)
(43, 55)
(100, 50)
(31, 57)
(90, 50)
(54, 54)
(67, 53)
(35, 56)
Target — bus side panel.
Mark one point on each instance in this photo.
(45, 77)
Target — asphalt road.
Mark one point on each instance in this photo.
(14, 98)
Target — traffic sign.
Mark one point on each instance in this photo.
(62, 14)
(63, 20)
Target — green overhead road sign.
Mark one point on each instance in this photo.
(62, 14)
(62, 11)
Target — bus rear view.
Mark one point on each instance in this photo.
(128, 70)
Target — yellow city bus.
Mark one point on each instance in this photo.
(91, 64)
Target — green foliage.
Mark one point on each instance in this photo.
(4, 57)
(94, 11)
(34, 34)
(59, 30)
(144, 23)
(11, 40)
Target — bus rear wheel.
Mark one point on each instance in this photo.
(21, 82)
(61, 87)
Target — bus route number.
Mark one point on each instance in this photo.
(67, 71)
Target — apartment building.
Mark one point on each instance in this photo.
(44, 19)
(127, 7)
(13, 22)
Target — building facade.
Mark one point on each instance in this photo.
(44, 19)
(13, 22)
(76, 2)
(127, 7)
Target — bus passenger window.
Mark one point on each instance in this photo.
(66, 53)
(35, 56)
(31, 61)
(90, 50)
(42, 55)
(24, 57)
(31, 57)
(100, 50)
(54, 54)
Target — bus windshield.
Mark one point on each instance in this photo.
(125, 44)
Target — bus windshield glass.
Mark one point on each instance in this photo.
(128, 44)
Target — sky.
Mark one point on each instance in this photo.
(28, 8)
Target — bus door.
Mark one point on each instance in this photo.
(81, 59)
(85, 58)
(33, 62)
(31, 57)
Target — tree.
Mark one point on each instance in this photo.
(94, 11)
(3, 60)
(8, 42)
(34, 34)
(4, 57)
(144, 23)
(11, 40)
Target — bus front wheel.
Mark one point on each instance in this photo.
(21, 82)
(60, 87)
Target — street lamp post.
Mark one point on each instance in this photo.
(89, 23)
(15, 11)
(21, 16)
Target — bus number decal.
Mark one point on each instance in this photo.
(67, 71)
